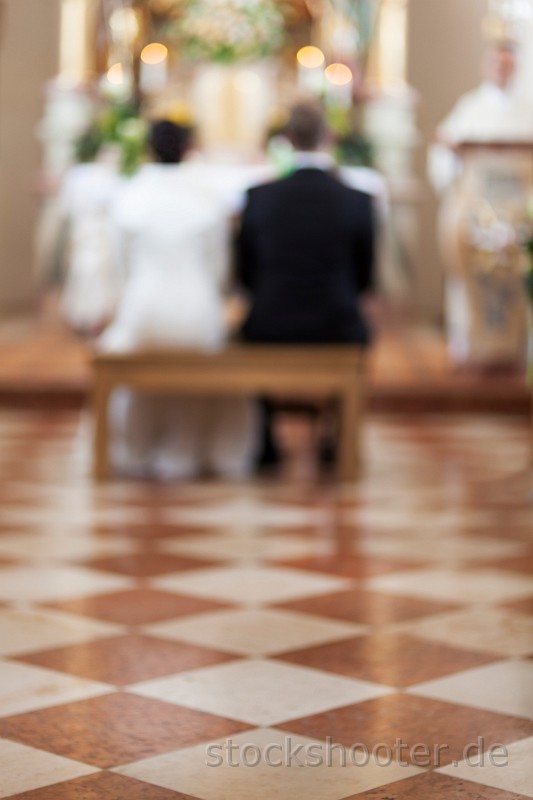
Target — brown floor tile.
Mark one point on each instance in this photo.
(126, 659)
(9, 530)
(146, 565)
(434, 787)
(368, 608)
(414, 720)
(524, 606)
(391, 659)
(137, 606)
(520, 564)
(115, 729)
(351, 566)
(505, 530)
(102, 786)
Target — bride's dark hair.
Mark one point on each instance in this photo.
(169, 142)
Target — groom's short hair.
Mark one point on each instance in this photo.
(306, 127)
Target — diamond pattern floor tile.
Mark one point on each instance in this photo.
(229, 547)
(245, 511)
(55, 583)
(140, 606)
(472, 586)
(35, 629)
(506, 687)
(127, 659)
(253, 585)
(24, 768)
(254, 632)
(25, 688)
(516, 777)
(146, 565)
(436, 787)
(429, 722)
(387, 658)
(185, 770)
(259, 692)
(115, 729)
(59, 547)
(102, 786)
(368, 608)
(399, 607)
(489, 630)
(349, 565)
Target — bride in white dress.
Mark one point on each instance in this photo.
(173, 239)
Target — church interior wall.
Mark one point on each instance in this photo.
(444, 61)
(29, 31)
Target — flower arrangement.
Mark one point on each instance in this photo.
(230, 30)
(119, 126)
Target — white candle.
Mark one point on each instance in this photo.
(339, 79)
(310, 69)
(154, 68)
(117, 83)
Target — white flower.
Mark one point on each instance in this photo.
(232, 28)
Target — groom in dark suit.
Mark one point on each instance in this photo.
(305, 249)
(305, 254)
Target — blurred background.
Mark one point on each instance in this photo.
(389, 73)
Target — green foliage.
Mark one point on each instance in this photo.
(89, 144)
(355, 150)
(352, 147)
(120, 125)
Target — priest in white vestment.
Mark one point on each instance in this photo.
(500, 110)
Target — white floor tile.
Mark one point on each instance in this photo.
(56, 583)
(506, 687)
(24, 687)
(62, 547)
(245, 511)
(251, 585)
(255, 632)
(467, 586)
(260, 692)
(25, 768)
(487, 629)
(26, 631)
(517, 776)
(231, 547)
(185, 770)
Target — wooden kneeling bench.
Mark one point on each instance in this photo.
(245, 369)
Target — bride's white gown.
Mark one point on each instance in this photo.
(172, 236)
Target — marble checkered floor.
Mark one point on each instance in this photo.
(142, 624)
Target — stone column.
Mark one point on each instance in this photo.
(29, 31)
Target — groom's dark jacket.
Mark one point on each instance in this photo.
(305, 254)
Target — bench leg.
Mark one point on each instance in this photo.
(350, 424)
(101, 394)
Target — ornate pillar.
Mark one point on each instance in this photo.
(388, 55)
(74, 47)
